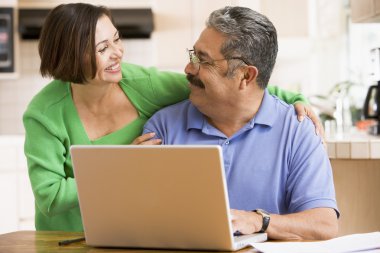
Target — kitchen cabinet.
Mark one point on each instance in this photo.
(8, 211)
(178, 25)
(16, 196)
(377, 7)
(365, 10)
(111, 4)
(355, 160)
(282, 15)
(357, 189)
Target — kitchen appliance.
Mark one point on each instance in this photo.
(371, 108)
(135, 23)
(6, 40)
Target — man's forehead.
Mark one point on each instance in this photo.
(209, 43)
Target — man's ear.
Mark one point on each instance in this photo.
(250, 76)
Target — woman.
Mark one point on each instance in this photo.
(94, 99)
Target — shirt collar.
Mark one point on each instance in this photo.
(195, 118)
(265, 115)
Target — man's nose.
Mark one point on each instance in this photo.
(190, 69)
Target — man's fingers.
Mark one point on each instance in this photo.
(234, 222)
(233, 214)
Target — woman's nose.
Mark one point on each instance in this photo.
(117, 51)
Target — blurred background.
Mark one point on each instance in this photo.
(328, 51)
(322, 45)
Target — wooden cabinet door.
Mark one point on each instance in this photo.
(361, 10)
(9, 203)
(377, 7)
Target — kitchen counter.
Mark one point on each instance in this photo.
(353, 145)
(355, 159)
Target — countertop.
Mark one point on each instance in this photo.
(353, 145)
(350, 145)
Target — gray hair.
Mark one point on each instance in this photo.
(250, 35)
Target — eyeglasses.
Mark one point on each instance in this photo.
(196, 62)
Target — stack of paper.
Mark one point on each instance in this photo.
(369, 242)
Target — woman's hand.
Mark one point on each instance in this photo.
(146, 139)
(303, 110)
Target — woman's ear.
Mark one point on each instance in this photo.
(250, 76)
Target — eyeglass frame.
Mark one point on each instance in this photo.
(194, 59)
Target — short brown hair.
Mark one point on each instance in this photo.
(67, 42)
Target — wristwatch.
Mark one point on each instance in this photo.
(266, 219)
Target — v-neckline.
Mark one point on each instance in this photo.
(79, 121)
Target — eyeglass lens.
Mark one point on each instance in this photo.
(194, 60)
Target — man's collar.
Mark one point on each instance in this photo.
(266, 115)
(195, 118)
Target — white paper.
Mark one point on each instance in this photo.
(348, 243)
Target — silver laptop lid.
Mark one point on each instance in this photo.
(153, 196)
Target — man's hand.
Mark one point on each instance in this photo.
(146, 139)
(303, 110)
(246, 222)
(312, 224)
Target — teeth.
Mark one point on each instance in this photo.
(113, 67)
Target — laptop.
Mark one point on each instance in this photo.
(161, 197)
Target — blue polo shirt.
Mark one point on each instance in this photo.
(274, 162)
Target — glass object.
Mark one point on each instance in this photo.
(196, 62)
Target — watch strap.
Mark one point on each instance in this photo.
(266, 219)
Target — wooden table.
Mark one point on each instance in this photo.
(47, 242)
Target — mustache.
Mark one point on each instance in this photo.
(195, 81)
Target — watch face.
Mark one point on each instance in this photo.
(262, 212)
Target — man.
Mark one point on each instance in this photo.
(273, 162)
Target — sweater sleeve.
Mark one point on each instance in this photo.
(52, 181)
(287, 96)
(169, 87)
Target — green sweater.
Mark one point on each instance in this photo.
(52, 125)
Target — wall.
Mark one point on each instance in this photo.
(312, 47)
(363, 38)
